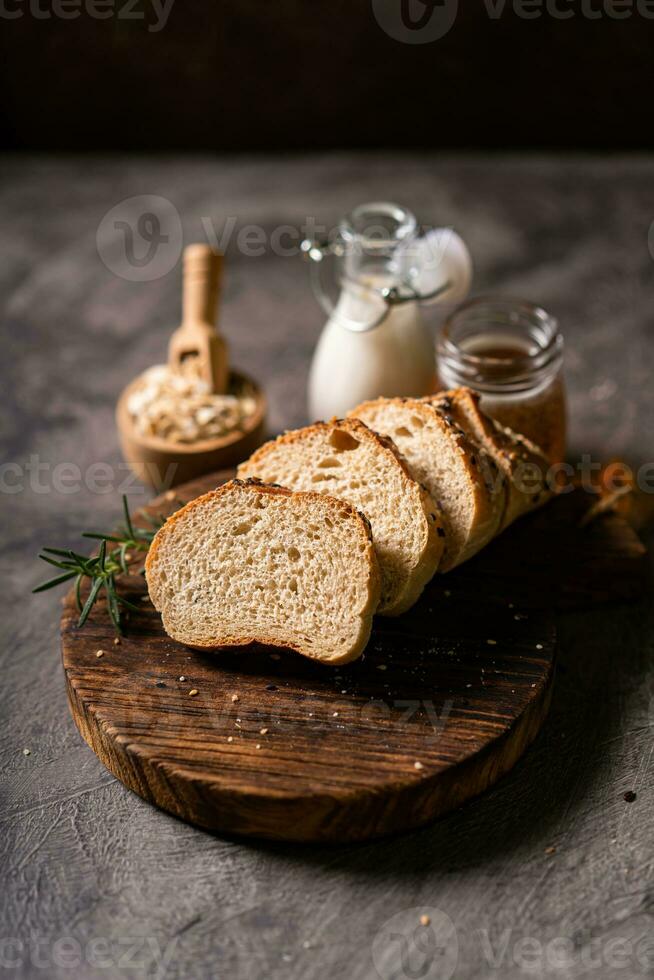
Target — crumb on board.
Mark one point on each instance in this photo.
(418, 765)
(263, 731)
(425, 920)
(182, 677)
(27, 751)
(550, 850)
(235, 698)
(116, 641)
(193, 692)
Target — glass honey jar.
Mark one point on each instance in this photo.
(511, 353)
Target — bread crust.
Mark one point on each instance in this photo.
(432, 551)
(487, 493)
(518, 458)
(228, 641)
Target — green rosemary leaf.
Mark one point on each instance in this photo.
(128, 519)
(128, 605)
(112, 603)
(78, 592)
(99, 536)
(66, 565)
(54, 581)
(92, 596)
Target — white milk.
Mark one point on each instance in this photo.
(349, 365)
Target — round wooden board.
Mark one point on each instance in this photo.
(444, 701)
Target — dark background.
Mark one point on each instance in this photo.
(308, 74)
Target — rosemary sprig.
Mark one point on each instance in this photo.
(103, 569)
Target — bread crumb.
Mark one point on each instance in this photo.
(550, 850)
(425, 920)
(235, 698)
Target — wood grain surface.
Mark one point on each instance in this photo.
(552, 852)
(443, 702)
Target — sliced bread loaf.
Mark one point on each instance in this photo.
(254, 563)
(521, 463)
(458, 474)
(345, 459)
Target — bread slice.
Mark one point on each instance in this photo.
(346, 459)
(521, 463)
(250, 563)
(456, 472)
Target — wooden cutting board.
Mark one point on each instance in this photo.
(445, 700)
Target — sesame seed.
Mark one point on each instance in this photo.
(381, 667)
(27, 751)
(258, 745)
(539, 646)
(99, 653)
(182, 677)
(192, 693)
(418, 765)
(145, 598)
(424, 920)
(230, 738)
(116, 641)
(335, 715)
(550, 850)
(263, 731)
(492, 643)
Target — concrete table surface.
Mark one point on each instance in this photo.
(97, 883)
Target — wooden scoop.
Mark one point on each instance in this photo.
(197, 335)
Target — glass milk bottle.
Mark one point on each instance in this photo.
(375, 341)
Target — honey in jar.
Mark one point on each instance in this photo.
(511, 353)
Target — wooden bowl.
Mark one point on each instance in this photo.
(162, 465)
